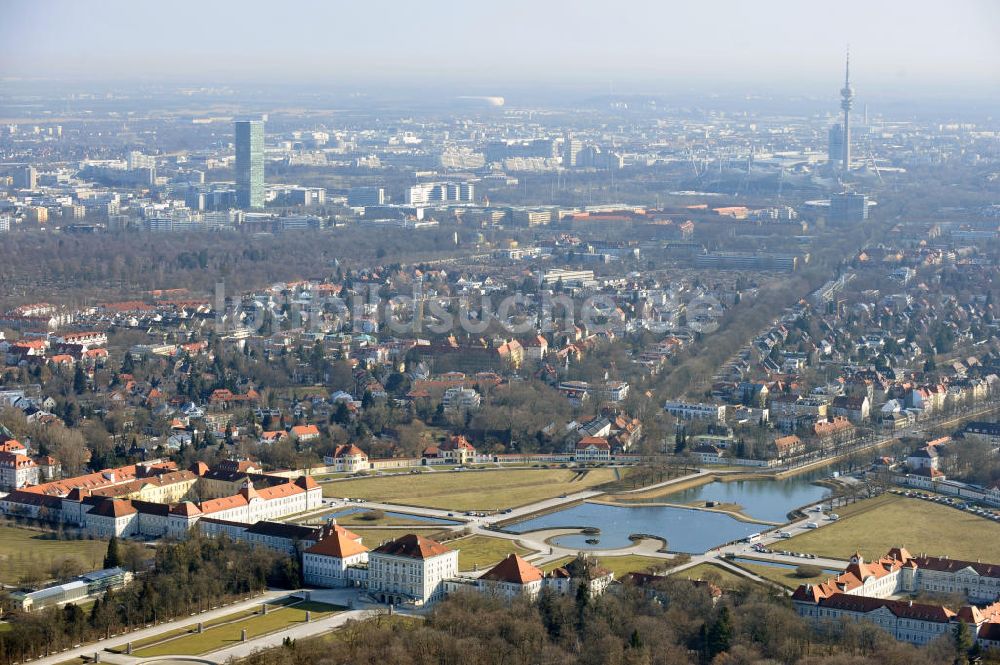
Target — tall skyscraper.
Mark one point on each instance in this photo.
(846, 102)
(835, 150)
(571, 150)
(250, 163)
(26, 177)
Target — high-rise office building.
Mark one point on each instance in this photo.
(848, 207)
(250, 163)
(26, 177)
(433, 192)
(359, 197)
(571, 150)
(835, 148)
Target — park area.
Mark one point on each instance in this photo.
(718, 575)
(228, 630)
(788, 577)
(372, 538)
(471, 490)
(29, 555)
(873, 526)
(483, 552)
(619, 565)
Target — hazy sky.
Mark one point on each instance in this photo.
(630, 44)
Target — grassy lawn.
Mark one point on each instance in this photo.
(786, 577)
(372, 538)
(712, 573)
(619, 565)
(226, 635)
(471, 490)
(323, 477)
(875, 525)
(555, 563)
(23, 550)
(482, 552)
(193, 627)
(631, 563)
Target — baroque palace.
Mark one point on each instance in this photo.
(157, 499)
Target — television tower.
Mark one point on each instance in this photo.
(846, 102)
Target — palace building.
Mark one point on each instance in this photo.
(877, 592)
(157, 499)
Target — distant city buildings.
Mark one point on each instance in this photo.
(250, 163)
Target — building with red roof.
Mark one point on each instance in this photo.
(17, 470)
(411, 569)
(511, 578)
(871, 592)
(347, 458)
(336, 560)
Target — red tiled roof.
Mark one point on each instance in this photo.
(113, 508)
(900, 608)
(340, 544)
(513, 569)
(413, 546)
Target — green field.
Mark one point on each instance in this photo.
(372, 538)
(192, 628)
(555, 563)
(786, 577)
(716, 574)
(471, 490)
(482, 552)
(873, 526)
(619, 565)
(23, 550)
(229, 634)
(631, 563)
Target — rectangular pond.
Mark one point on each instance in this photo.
(353, 510)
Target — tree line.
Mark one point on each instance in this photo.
(676, 623)
(186, 576)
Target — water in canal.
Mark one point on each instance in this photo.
(769, 500)
(343, 512)
(685, 530)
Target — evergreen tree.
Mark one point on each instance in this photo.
(113, 558)
(79, 380)
(963, 642)
(582, 602)
(720, 634)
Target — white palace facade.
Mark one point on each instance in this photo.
(156, 499)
